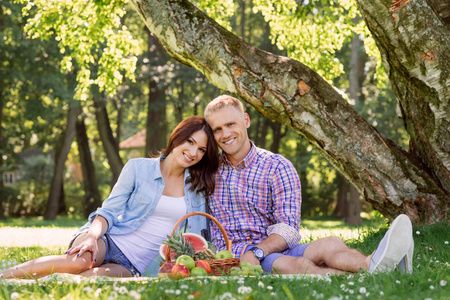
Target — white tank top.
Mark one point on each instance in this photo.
(142, 245)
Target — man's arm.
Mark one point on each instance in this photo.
(274, 243)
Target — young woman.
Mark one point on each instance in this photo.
(123, 237)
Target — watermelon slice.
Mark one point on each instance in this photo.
(196, 240)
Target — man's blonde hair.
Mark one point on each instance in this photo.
(221, 102)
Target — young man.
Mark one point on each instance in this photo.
(258, 200)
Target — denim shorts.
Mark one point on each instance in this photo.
(268, 261)
(114, 255)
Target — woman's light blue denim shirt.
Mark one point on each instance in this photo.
(136, 194)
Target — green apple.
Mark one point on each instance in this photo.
(186, 260)
(223, 254)
(197, 271)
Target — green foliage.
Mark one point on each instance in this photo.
(33, 188)
(89, 34)
(219, 10)
(310, 33)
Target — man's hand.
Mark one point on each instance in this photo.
(250, 258)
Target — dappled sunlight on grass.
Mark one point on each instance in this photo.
(319, 227)
(61, 221)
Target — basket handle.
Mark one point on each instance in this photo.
(198, 213)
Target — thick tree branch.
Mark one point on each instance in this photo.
(292, 94)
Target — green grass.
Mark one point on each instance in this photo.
(430, 279)
(60, 221)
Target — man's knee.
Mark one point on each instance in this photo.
(292, 265)
(334, 243)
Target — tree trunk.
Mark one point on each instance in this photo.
(341, 203)
(108, 141)
(92, 196)
(119, 106)
(262, 131)
(278, 135)
(56, 188)
(156, 108)
(2, 150)
(392, 180)
(352, 208)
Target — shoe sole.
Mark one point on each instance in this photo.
(400, 226)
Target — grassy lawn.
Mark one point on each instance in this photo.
(430, 279)
(39, 222)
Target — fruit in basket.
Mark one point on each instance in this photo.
(246, 270)
(204, 265)
(179, 271)
(224, 254)
(197, 271)
(165, 269)
(182, 244)
(186, 260)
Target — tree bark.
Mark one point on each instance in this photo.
(92, 196)
(391, 179)
(108, 141)
(56, 187)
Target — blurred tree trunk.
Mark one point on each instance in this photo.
(119, 107)
(55, 199)
(92, 196)
(262, 131)
(412, 40)
(108, 141)
(178, 102)
(357, 61)
(155, 139)
(2, 149)
(341, 203)
(278, 135)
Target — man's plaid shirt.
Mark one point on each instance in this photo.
(259, 197)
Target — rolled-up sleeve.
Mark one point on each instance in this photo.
(287, 200)
(115, 204)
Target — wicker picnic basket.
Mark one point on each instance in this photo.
(218, 266)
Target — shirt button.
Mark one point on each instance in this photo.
(140, 199)
(197, 202)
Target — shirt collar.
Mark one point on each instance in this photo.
(158, 174)
(246, 162)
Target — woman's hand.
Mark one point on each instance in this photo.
(89, 243)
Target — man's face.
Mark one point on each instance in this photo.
(230, 125)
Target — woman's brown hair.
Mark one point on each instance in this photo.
(202, 173)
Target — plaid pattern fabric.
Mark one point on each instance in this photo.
(259, 197)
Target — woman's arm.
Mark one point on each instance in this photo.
(90, 243)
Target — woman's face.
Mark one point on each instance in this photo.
(192, 150)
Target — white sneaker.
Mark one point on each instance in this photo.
(405, 265)
(395, 245)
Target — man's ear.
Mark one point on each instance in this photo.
(246, 120)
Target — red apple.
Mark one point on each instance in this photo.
(179, 271)
(165, 269)
(203, 264)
